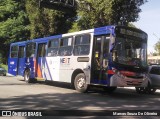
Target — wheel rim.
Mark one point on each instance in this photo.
(81, 82)
(150, 89)
(26, 76)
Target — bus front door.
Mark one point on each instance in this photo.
(100, 60)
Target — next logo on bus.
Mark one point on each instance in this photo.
(65, 60)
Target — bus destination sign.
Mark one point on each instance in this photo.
(131, 32)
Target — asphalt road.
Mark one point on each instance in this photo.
(15, 94)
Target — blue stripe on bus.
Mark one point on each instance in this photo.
(21, 67)
(49, 70)
(19, 43)
(45, 39)
(97, 81)
(30, 65)
(104, 30)
(43, 73)
(12, 64)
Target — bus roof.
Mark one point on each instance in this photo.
(97, 31)
(45, 39)
(104, 30)
(19, 43)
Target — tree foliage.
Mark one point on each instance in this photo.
(96, 13)
(46, 22)
(24, 19)
(13, 23)
(157, 47)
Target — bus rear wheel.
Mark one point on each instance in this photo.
(80, 83)
(27, 78)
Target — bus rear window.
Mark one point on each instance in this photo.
(14, 52)
(82, 44)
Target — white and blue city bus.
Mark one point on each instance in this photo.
(109, 56)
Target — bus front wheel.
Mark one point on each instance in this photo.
(141, 90)
(150, 89)
(80, 83)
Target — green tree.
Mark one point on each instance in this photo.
(13, 23)
(96, 13)
(46, 22)
(157, 47)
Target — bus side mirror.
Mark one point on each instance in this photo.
(105, 63)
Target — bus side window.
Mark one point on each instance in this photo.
(21, 52)
(14, 52)
(82, 45)
(53, 47)
(66, 46)
(42, 50)
(30, 50)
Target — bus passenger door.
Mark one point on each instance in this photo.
(40, 61)
(21, 60)
(100, 60)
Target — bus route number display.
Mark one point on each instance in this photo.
(132, 33)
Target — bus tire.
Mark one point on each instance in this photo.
(141, 90)
(109, 89)
(27, 78)
(150, 89)
(80, 83)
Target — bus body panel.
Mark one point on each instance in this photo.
(12, 66)
(30, 64)
(70, 64)
(104, 30)
(22, 66)
(52, 68)
(36, 63)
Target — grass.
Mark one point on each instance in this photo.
(4, 66)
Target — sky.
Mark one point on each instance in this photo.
(149, 21)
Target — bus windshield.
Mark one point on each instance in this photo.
(130, 52)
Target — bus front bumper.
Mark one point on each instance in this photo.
(121, 81)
